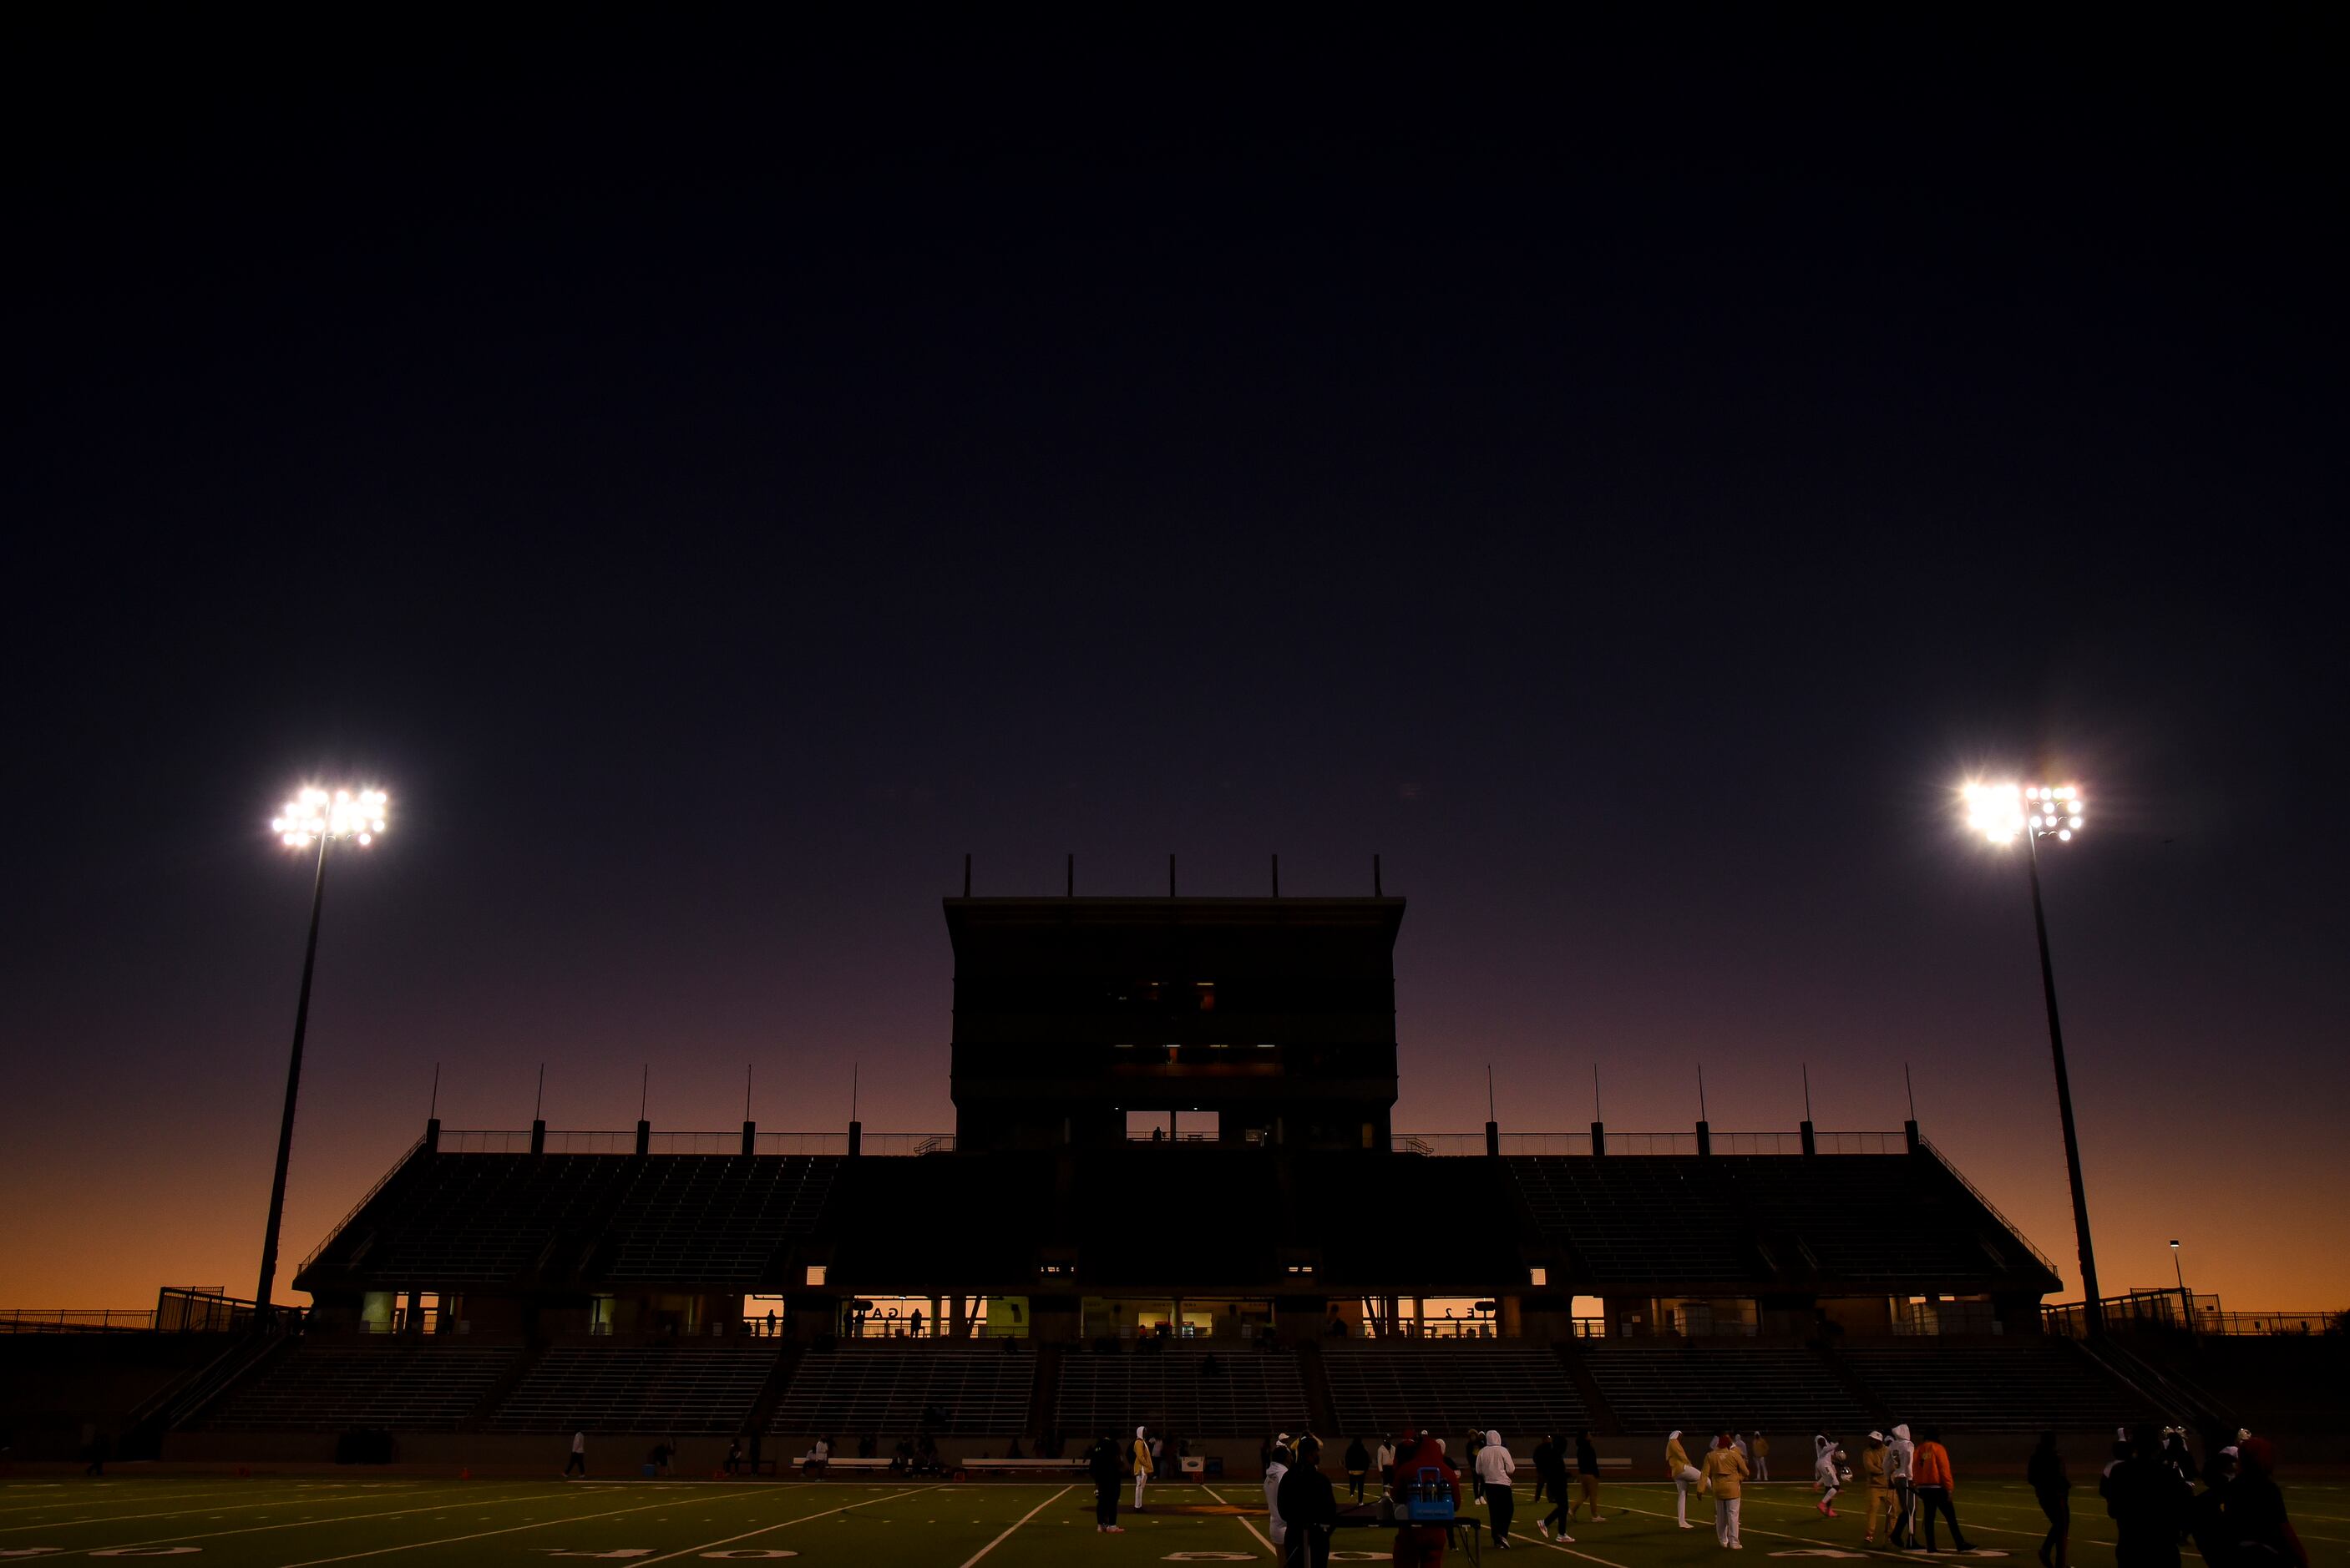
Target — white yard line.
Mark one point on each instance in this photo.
(284, 1500)
(802, 1518)
(1244, 1518)
(509, 1530)
(324, 1519)
(1024, 1519)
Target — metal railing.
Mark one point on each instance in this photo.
(1926, 1146)
(365, 1198)
(76, 1320)
(2161, 1311)
(1650, 1143)
(623, 1140)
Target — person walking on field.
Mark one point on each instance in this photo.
(1358, 1466)
(1552, 1459)
(1383, 1460)
(2263, 1536)
(1104, 1467)
(1421, 1545)
(1761, 1450)
(1725, 1471)
(1900, 1466)
(1881, 1510)
(1276, 1467)
(2148, 1504)
(577, 1463)
(1824, 1475)
(1683, 1474)
(1586, 1476)
(1495, 1467)
(1930, 1473)
(2045, 1472)
(1141, 1466)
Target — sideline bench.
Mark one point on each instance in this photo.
(836, 1463)
(1020, 1467)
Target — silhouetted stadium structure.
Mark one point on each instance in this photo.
(1173, 1196)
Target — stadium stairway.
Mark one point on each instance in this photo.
(1601, 1415)
(1044, 1399)
(1314, 1375)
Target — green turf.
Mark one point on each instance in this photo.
(394, 1521)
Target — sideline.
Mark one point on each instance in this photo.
(1024, 1519)
(483, 1535)
(306, 1524)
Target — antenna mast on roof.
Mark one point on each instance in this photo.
(1909, 1089)
(435, 1108)
(1807, 1091)
(1595, 1092)
(539, 1099)
(852, 1091)
(1701, 1091)
(1489, 1091)
(746, 1091)
(644, 1089)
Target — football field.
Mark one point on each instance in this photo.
(289, 1523)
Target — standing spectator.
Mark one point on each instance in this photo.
(1306, 1507)
(1141, 1466)
(2178, 1455)
(1358, 1467)
(1682, 1472)
(1383, 1461)
(1825, 1478)
(1880, 1489)
(2045, 1472)
(1103, 1466)
(2148, 1505)
(1900, 1473)
(2265, 1537)
(2207, 1521)
(735, 1454)
(1725, 1471)
(1276, 1469)
(1540, 1460)
(1738, 1441)
(1762, 1450)
(577, 1463)
(1586, 1476)
(1157, 1459)
(1930, 1474)
(1476, 1476)
(1495, 1467)
(1421, 1545)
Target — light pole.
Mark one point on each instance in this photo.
(2186, 1302)
(2001, 811)
(311, 814)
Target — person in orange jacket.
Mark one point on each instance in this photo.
(1935, 1484)
(1725, 1471)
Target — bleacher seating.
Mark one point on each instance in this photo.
(641, 1388)
(1452, 1386)
(1191, 1392)
(417, 1389)
(1638, 1218)
(483, 1218)
(1777, 1388)
(713, 1219)
(2020, 1387)
(882, 1390)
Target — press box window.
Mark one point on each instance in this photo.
(815, 1272)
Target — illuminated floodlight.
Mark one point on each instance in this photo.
(2001, 811)
(313, 813)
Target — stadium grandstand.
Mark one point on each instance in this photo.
(1301, 1264)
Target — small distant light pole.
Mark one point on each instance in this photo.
(2000, 813)
(313, 815)
(2186, 1302)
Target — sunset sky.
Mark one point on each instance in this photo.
(1627, 482)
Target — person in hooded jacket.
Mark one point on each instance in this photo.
(1900, 1473)
(1141, 1466)
(1937, 1488)
(1684, 1475)
(1586, 1476)
(1276, 1469)
(1307, 1508)
(1495, 1467)
(1107, 1468)
(2045, 1472)
(2263, 1536)
(1880, 1491)
(1824, 1476)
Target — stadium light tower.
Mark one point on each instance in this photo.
(2002, 812)
(313, 815)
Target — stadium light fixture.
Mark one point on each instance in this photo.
(2003, 812)
(313, 816)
